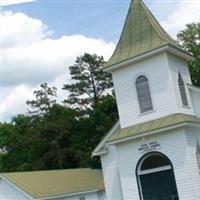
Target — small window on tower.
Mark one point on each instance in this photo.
(144, 95)
(182, 90)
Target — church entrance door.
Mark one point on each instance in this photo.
(156, 178)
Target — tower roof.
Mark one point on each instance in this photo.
(141, 33)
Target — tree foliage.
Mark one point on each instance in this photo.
(189, 40)
(89, 81)
(45, 98)
(54, 136)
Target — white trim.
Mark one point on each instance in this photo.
(67, 195)
(179, 53)
(147, 113)
(192, 87)
(154, 170)
(101, 152)
(97, 151)
(16, 187)
(150, 171)
(166, 48)
(149, 133)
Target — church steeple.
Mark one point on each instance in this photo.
(141, 33)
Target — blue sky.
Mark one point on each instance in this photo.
(41, 39)
(98, 19)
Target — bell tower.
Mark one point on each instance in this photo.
(147, 66)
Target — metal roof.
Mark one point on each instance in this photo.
(141, 33)
(41, 184)
(153, 125)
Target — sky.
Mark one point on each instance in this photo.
(40, 39)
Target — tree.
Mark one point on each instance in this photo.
(45, 98)
(53, 136)
(189, 40)
(52, 147)
(50, 132)
(89, 81)
(14, 136)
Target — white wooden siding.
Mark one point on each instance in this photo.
(195, 95)
(177, 65)
(193, 136)
(174, 146)
(8, 192)
(111, 175)
(162, 82)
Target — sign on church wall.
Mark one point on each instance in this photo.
(149, 146)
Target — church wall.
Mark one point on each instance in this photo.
(87, 196)
(173, 145)
(157, 71)
(193, 136)
(177, 65)
(111, 175)
(195, 95)
(9, 192)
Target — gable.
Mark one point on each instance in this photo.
(9, 191)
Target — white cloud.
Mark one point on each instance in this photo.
(13, 2)
(19, 29)
(30, 56)
(186, 12)
(46, 59)
(14, 101)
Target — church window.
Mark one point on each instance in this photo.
(144, 95)
(156, 178)
(182, 90)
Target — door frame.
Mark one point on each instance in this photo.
(138, 172)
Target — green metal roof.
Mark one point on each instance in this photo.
(56, 182)
(153, 125)
(141, 33)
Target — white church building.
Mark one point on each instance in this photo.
(153, 151)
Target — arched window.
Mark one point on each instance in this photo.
(144, 95)
(182, 90)
(156, 178)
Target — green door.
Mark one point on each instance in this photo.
(159, 186)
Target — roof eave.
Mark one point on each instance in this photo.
(100, 153)
(140, 135)
(179, 52)
(67, 195)
(194, 88)
(166, 48)
(97, 151)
